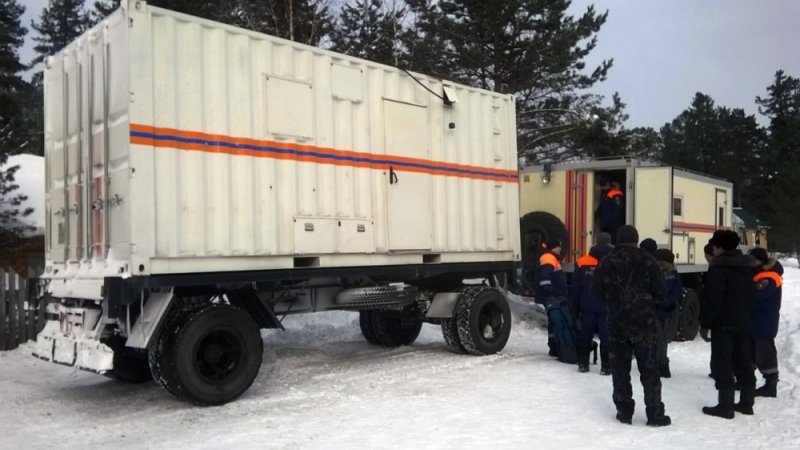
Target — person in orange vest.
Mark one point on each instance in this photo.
(551, 285)
(611, 210)
(764, 320)
(593, 312)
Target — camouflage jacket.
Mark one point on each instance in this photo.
(631, 284)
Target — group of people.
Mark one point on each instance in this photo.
(626, 293)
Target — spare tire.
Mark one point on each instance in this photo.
(535, 228)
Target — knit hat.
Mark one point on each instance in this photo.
(664, 254)
(603, 238)
(553, 243)
(600, 251)
(627, 234)
(649, 245)
(726, 239)
(760, 254)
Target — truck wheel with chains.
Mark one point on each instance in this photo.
(483, 320)
(209, 356)
(450, 335)
(393, 328)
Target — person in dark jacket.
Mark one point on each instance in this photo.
(551, 285)
(611, 210)
(592, 311)
(672, 296)
(764, 321)
(725, 311)
(649, 245)
(631, 285)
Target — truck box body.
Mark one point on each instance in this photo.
(679, 209)
(180, 145)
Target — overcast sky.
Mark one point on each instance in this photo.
(666, 50)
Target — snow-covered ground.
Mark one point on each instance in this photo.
(321, 386)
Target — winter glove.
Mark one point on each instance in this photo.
(704, 334)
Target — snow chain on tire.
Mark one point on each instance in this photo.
(450, 334)
(483, 320)
(393, 328)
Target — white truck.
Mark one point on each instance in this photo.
(202, 181)
(677, 208)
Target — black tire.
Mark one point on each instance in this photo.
(365, 322)
(214, 355)
(484, 320)
(450, 334)
(689, 317)
(394, 328)
(160, 353)
(536, 228)
(130, 364)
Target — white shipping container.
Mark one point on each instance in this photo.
(180, 145)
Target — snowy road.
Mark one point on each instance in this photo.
(321, 386)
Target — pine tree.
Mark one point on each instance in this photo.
(103, 8)
(60, 22)
(780, 202)
(305, 21)
(12, 35)
(369, 29)
(530, 48)
(12, 127)
(220, 11)
(691, 139)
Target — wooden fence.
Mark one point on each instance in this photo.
(22, 310)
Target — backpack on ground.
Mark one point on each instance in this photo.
(560, 315)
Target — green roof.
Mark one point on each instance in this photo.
(750, 221)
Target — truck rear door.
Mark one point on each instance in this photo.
(652, 210)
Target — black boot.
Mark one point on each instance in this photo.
(770, 387)
(657, 418)
(583, 357)
(746, 400)
(725, 407)
(664, 371)
(605, 364)
(625, 411)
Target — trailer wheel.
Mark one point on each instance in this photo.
(484, 320)
(450, 334)
(689, 317)
(394, 328)
(214, 355)
(160, 353)
(365, 322)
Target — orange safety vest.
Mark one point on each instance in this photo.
(613, 193)
(768, 274)
(549, 258)
(586, 260)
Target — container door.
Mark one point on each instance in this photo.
(408, 192)
(579, 213)
(652, 208)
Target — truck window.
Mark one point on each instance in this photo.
(677, 206)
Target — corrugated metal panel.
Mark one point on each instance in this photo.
(237, 140)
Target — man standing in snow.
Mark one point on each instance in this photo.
(725, 311)
(629, 281)
(766, 314)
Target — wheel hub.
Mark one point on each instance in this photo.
(218, 356)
